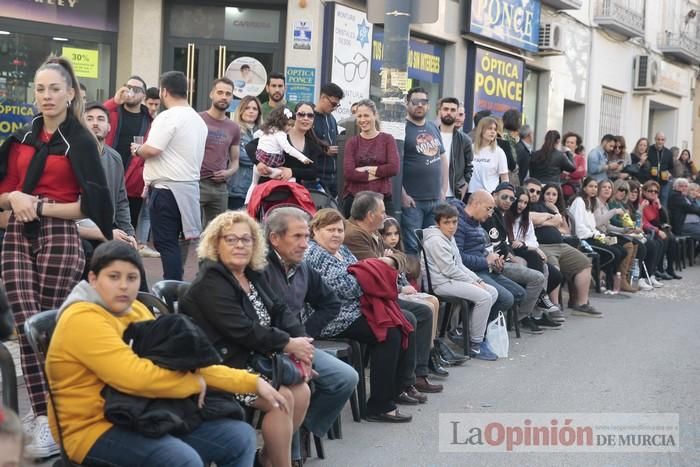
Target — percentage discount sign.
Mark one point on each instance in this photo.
(85, 61)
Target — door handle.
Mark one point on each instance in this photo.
(222, 61)
(190, 72)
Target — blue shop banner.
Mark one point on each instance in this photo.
(512, 22)
(424, 60)
(300, 84)
(13, 116)
(498, 82)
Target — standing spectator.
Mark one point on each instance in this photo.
(547, 163)
(425, 169)
(655, 221)
(512, 119)
(571, 181)
(248, 115)
(661, 166)
(490, 162)
(684, 167)
(174, 152)
(129, 118)
(221, 152)
(326, 130)
(640, 168)
(477, 118)
(524, 150)
(619, 159)
(598, 158)
(371, 159)
(50, 175)
(458, 148)
(275, 89)
(152, 101)
(459, 121)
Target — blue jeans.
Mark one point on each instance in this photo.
(143, 224)
(226, 442)
(418, 217)
(664, 193)
(509, 292)
(166, 226)
(333, 387)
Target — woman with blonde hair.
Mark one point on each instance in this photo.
(248, 115)
(232, 301)
(490, 162)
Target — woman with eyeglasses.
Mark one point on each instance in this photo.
(635, 206)
(582, 211)
(490, 163)
(547, 163)
(655, 221)
(619, 159)
(370, 159)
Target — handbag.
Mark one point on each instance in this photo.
(497, 336)
(280, 368)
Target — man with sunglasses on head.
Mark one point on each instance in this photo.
(129, 117)
(425, 169)
(326, 130)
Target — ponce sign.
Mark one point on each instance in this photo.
(498, 82)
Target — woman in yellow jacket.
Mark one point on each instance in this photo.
(87, 352)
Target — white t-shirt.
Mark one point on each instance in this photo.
(489, 164)
(447, 144)
(181, 134)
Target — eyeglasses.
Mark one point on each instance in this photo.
(233, 240)
(305, 114)
(357, 67)
(535, 191)
(622, 190)
(651, 191)
(507, 198)
(418, 102)
(136, 89)
(334, 104)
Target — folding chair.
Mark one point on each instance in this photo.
(9, 379)
(170, 291)
(154, 304)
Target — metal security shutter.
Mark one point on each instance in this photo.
(610, 112)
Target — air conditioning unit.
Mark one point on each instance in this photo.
(551, 40)
(646, 73)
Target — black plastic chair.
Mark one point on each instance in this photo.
(154, 304)
(350, 352)
(9, 379)
(170, 291)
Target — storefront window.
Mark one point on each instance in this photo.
(20, 56)
(532, 82)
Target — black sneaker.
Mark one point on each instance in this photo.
(545, 303)
(546, 322)
(529, 325)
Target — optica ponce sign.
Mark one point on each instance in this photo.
(498, 82)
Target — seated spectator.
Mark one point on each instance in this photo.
(655, 221)
(302, 289)
(603, 215)
(236, 307)
(582, 213)
(11, 438)
(363, 239)
(549, 216)
(452, 279)
(390, 364)
(571, 181)
(684, 167)
(87, 353)
(655, 246)
(685, 214)
(548, 163)
(521, 235)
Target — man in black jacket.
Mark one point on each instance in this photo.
(458, 147)
(680, 206)
(298, 285)
(660, 161)
(523, 150)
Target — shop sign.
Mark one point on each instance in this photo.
(352, 51)
(673, 80)
(498, 82)
(302, 35)
(512, 22)
(300, 84)
(249, 25)
(424, 59)
(86, 62)
(102, 15)
(13, 116)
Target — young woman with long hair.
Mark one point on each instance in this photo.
(571, 181)
(490, 163)
(547, 163)
(248, 115)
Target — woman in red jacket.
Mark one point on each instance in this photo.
(571, 181)
(655, 222)
(370, 159)
(50, 175)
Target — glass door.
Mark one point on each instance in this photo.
(186, 58)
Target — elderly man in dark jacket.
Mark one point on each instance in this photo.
(660, 159)
(682, 210)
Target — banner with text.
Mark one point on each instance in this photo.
(13, 116)
(498, 82)
(300, 84)
(424, 59)
(512, 22)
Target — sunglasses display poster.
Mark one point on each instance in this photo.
(352, 52)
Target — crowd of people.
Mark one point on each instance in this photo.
(488, 222)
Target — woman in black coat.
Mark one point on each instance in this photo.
(547, 163)
(233, 303)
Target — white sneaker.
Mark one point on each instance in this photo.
(148, 252)
(644, 285)
(655, 282)
(42, 445)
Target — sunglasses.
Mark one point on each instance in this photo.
(507, 198)
(652, 191)
(333, 103)
(135, 89)
(623, 190)
(419, 102)
(305, 114)
(535, 192)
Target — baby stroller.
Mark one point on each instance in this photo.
(322, 199)
(276, 193)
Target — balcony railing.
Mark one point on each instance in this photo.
(680, 46)
(625, 17)
(563, 4)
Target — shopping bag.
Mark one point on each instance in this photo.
(497, 336)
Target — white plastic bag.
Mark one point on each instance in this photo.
(497, 336)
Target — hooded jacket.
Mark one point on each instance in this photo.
(444, 261)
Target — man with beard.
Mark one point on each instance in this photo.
(275, 88)
(425, 169)
(458, 148)
(220, 153)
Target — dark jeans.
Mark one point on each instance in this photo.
(135, 209)
(226, 442)
(390, 364)
(509, 292)
(166, 226)
(617, 252)
(421, 317)
(418, 217)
